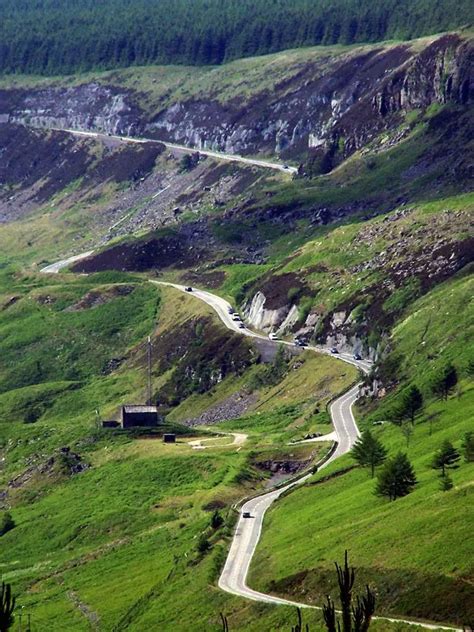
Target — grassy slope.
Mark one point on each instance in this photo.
(417, 551)
(240, 78)
(112, 547)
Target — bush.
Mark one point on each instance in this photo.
(6, 523)
(203, 544)
(216, 520)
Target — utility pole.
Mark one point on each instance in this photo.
(149, 372)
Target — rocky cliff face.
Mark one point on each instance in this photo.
(90, 106)
(335, 104)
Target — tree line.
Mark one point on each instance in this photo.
(64, 36)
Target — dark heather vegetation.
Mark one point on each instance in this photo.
(51, 37)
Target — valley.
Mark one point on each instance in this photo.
(293, 234)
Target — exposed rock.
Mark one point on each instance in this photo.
(348, 97)
(258, 316)
(231, 408)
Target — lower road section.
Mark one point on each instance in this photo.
(233, 578)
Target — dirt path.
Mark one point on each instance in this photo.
(239, 439)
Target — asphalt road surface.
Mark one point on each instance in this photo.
(233, 578)
(265, 164)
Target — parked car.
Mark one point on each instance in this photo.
(241, 326)
(230, 310)
(246, 514)
(357, 356)
(188, 289)
(273, 336)
(300, 343)
(334, 350)
(235, 317)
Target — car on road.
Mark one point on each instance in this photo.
(246, 514)
(235, 318)
(273, 336)
(300, 343)
(286, 166)
(241, 326)
(357, 356)
(334, 350)
(188, 289)
(230, 310)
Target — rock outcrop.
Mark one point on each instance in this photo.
(330, 105)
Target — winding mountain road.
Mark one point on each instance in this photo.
(233, 578)
(256, 162)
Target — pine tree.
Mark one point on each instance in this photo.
(412, 402)
(369, 451)
(445, 482)
(468, 447)
(446, 457)
(444, 381)
(397, 478)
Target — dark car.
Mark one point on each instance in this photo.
(246, 514)
(300, 343)
(241, 326)
(334, 350)
(357, 356)
(188, 289)
(230, 310)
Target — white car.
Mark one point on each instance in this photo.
(235, 317)
(273, 336)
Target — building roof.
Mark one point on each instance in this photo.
(131, 408)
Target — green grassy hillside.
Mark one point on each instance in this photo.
(416, 551)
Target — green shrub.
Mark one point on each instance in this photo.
(6, 523)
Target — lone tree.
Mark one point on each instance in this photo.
(397, 478)
(7, 606)
(354, 618)
(411, 402)
(216, 520)
(407, 432)
(445, 482)
(369, 451)
(444, 381)
(468, 447)
(446, 457)
(6, 523)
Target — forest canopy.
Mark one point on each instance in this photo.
(67, 36)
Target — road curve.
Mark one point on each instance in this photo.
(265, 164)
(233, 578)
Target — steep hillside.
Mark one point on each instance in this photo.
(415, 550)
(366, 250)
(330, 100)
(109, 523)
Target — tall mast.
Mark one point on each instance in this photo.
(149, 372)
